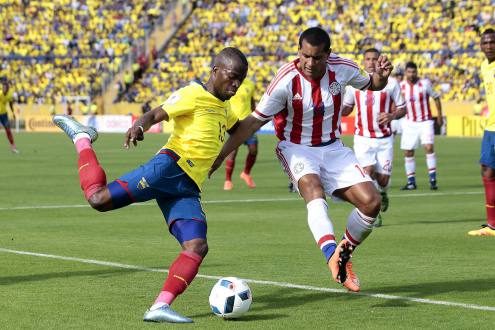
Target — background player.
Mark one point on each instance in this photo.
(418, 126)
(487, 160)
(175, 174)
(7, 97)
(373, 139)
(304, 99)
(242, 104)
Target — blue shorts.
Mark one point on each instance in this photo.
(252, 140)
(488, 149)
(176, 193)
(4, 119)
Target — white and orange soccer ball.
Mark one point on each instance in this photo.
(230, 297)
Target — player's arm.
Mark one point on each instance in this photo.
(239, 133)
(438, 105)
(142, 124)
(11, 104)
(379, 78)
(396, 113)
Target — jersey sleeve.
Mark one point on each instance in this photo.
(430, 91)
(359, 79)
(231, 117)
(179, 103)
(397, 96)
(271, 103)
(349, 96)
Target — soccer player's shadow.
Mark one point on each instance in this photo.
(10, 280)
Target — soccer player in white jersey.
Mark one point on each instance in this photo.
(305, 100)
(418, 126)
(373, 139)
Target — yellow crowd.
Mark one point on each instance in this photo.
(441, 37)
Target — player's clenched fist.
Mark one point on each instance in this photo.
(134, 134)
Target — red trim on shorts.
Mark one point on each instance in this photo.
(282, 160)
(125, 185)
(168, 153)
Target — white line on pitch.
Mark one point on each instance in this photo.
(272, 283)
(229, 201)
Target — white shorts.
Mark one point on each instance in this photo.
(375, 151)
(335, 164)
(396, 125)
(415, 132)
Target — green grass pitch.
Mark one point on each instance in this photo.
(422, 251)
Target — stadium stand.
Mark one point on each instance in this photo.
(69, 47)
(441, 36)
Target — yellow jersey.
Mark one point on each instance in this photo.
(200, 123)
(241, 101)
(488, 74)
(5, 99)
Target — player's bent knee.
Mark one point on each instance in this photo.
(198, 246)
(371, 205)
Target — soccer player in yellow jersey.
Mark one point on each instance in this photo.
(174, 176)
(487, 159)
(7, 97)
(242, 105)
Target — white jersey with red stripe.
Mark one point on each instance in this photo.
(417, 98)
(309, 112)
(369, 106)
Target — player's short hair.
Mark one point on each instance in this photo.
(411, 65)
(371, 50)
(231, 54)
(315, 36)
(488, 31)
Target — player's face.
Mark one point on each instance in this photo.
(411, 74)
(369, 61)
(228, 78)
(313, 60)
(487, 45)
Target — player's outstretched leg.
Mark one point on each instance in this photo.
(410, 166)
(229, 169)
(250, 160)
(91, 175)
(182, 271)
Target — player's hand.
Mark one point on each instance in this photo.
(385, 118)
(134, 134)
(440, 121)
(383, 67)
(216, 164)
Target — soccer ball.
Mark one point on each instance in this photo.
(230, 297)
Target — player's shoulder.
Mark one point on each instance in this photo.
(184, 94)
(392, 83)
(344, 63)
(283, 76)
(425, 82)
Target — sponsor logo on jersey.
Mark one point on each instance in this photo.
(335, 88)
(190, 163)
(297, 97)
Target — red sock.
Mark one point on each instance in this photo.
(181, 274)
(91, 175)
(490, 201)
(9, 135)
(250, 160)
(229, 168)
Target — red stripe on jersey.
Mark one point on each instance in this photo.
(261, 115)
(297, 106)
(411, 100)
(369, 113)
(421, 102)
(280, 121)
(318, 112)
(428, 107)
(337, 101)
(325, 238)
(359, 119)
(343, 60)
(282, 73)
(343, 63)
(383, 100)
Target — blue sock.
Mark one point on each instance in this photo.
(433, 176)
(411, 179)
(328, 250)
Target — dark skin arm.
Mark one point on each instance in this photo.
(385, 118)
(347, 110)
(240, 133)
(136, 132)
(438, 105)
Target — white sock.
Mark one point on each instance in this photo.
(359, 226)
(431, 162)
(410, 165)
(319, 222)
(79, 136)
